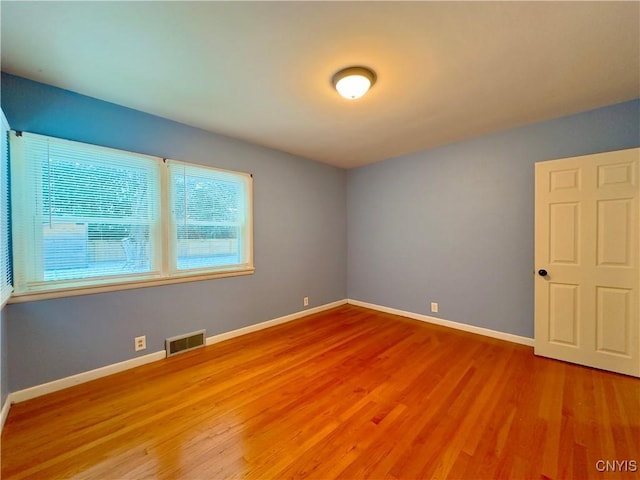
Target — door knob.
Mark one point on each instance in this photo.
(542, 272)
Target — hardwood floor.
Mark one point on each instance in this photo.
(348, 393)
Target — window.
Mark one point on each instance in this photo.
(209, 217)
(88, 216)
(83, 214)
(5, 240)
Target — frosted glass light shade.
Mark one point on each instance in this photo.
(353, 82)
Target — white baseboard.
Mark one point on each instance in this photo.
(272, 323)
(509, 337)
(55, 385)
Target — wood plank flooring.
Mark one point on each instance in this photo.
(348, 393)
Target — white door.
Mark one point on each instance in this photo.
(587, 251)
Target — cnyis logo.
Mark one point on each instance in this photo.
(617, 466)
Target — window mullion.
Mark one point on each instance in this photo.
(165, 219)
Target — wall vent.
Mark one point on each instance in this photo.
(186, 342)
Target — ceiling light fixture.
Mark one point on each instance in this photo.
(354, 82)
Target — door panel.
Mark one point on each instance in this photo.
(564, 232)
(614, 232)
(587, 306)
(613, 319)
(616, 174)
(563, 314)
(564, 180)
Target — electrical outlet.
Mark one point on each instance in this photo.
(434, 307)
(140, 343)
(305, 302)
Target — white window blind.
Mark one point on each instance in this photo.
(83, 214)
(210, 227)
(5, 240)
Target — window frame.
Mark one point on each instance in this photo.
(172, 226)
(6, 286)
(168, 273)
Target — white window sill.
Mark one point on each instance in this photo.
(114, 287)
(5, 299)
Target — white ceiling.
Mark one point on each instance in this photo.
(261, 71)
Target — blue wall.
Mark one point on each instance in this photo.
(299, 235)
(452, 225)
(455, 224)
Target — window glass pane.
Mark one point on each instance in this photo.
(210, 216)
(95, 219)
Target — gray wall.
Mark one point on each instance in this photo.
(452, 225)
(299, 232)
(455, 224)
(4, 371)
